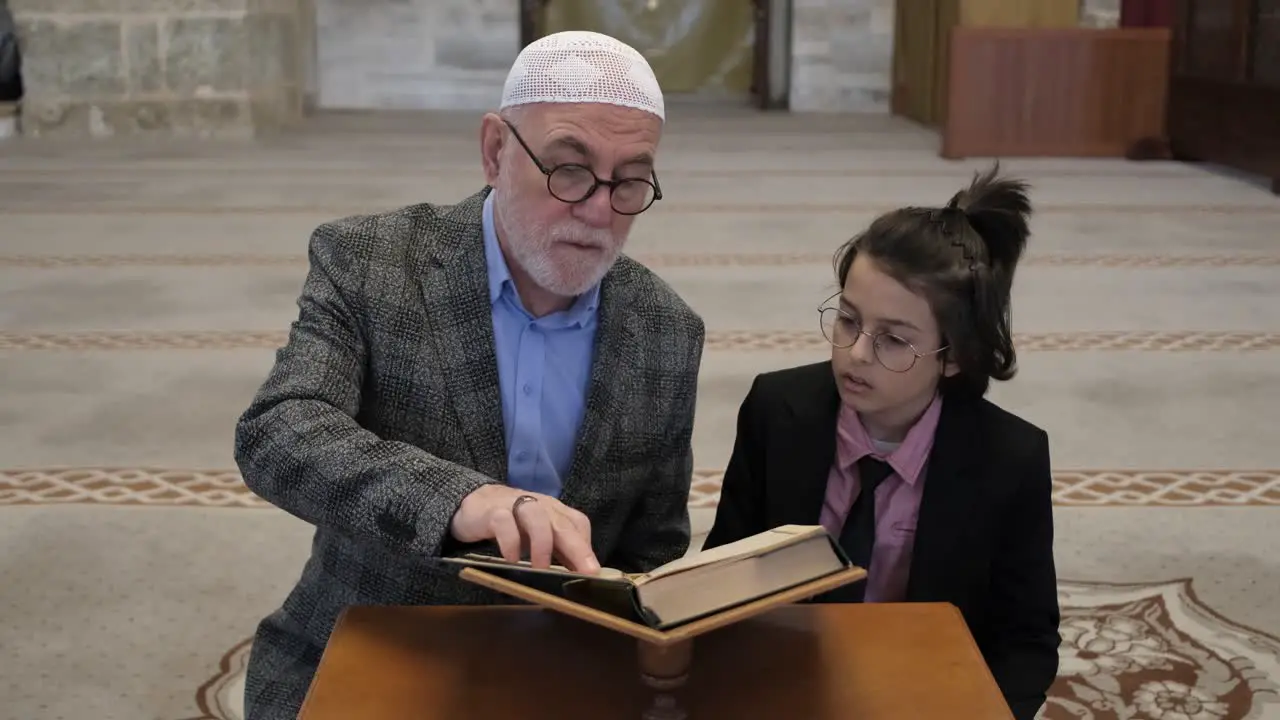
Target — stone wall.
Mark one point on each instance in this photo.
(415, 54)
(242, 67)
(181, 67)
(1100, 13)
(841, 55)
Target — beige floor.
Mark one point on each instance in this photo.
(143, 288)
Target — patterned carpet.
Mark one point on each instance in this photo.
(143, 289)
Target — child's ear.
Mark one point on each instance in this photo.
(949, 368)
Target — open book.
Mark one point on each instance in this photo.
(684, 590)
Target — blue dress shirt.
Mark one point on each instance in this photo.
(544, 366)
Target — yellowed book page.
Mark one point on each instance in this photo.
(476, 560)
(778, 537)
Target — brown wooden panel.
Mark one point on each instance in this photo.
(921, 47)
(1019, 13)
(1065, 92)
(873, 661)
(950, 14)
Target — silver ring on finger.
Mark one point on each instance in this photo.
(520, 501)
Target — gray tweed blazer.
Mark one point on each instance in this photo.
(383, 411)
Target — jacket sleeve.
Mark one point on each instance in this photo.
(741, 510)
(658, 530)
(299, 445)
(1024, 593)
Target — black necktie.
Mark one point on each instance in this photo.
(858, 536)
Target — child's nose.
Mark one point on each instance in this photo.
(864, 349)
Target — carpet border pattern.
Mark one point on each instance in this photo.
(847, 209)
(224, 488)
(657, 260)
(716, 341)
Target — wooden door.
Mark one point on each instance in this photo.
(1214, 37)
(1264, 55)
(530, 15)
(1204, 55)
(1224, 90)
(1146, 13)
(706, 48)
(761, 88)
(915, 61)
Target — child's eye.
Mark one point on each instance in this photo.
(894, 340)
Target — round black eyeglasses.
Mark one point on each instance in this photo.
(573, 183)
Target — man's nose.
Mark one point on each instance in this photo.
(597, 210)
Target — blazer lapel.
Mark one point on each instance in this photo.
(456, 291)
(806, 453)
(614, 370)
(944, 507)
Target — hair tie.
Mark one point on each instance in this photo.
(948, 220)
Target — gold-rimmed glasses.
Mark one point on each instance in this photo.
(892, 351)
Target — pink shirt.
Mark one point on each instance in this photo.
(897, 497)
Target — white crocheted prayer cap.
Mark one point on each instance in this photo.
(576, 66)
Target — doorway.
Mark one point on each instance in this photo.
(715, 51)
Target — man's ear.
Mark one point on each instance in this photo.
(492, 138)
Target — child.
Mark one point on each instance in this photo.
(960, 507)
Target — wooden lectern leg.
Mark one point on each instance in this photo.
(665, 668)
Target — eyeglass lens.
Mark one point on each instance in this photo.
(891, 351)
(575, 183)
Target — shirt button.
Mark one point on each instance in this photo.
(528, 389)
(522, 455)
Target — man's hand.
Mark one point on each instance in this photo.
(548, 527)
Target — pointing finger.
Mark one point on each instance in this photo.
(575, 548)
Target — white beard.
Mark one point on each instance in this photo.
(531, 244)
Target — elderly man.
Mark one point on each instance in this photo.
(492, 371)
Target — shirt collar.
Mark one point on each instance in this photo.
(853, 442)
(501, 284)
(499, 273)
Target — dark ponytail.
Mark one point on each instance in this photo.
(998, 210)
(962, 259)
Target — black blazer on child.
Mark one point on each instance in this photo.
(984, 536)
